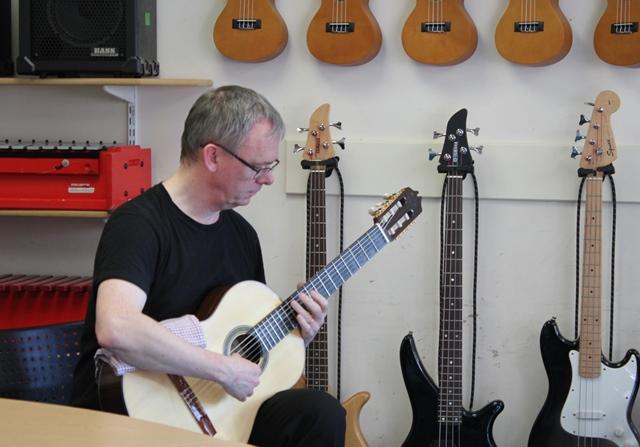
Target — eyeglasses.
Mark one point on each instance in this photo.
(259, 170)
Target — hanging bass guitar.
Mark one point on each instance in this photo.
(439, 419)
(319, 158)
(439, 32)
(617, 37)
(252, 321)
(250, 31)
(590, 398)
(344, 32)
(533, 32)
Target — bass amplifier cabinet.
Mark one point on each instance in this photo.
(88, 38)
(6, 63)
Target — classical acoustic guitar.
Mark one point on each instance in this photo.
(616, 38)
(318, 156)
(439, 418)
(590, 398)
(250, 31)
(533, 32)
(344, 32)
(252, 321)
(439, 32)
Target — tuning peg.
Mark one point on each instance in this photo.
(433, 154)
(575, 152)
(297, 148)
(590, 104)
(388, 195)
(302, 129)
(339, 142)
(579, 136)
(599, 151)
(478, 149)
(475, 131)
(583, 120)
(373, 210)
(437, 135)
(337, 125)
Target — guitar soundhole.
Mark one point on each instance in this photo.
(248, 346)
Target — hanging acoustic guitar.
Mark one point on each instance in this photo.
(318, 157)
(439, 419)
(250, 31)
(533, 32)
(590, 398)
(617, 38)
(439, 32)
(344, 32)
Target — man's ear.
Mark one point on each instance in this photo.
(209, 154)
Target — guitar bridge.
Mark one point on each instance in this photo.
(435, 27)
(528, 27)
(624, 28)
(340, 27)
(246, 24)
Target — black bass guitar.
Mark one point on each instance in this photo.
(590, 398)
(439, 419)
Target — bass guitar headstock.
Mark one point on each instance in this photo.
(599, 148)
(456, 152)
(319, 145)
(397, 212)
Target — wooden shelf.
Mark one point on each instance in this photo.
(159, 82)
(55, 213)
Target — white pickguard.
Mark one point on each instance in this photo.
(597, 408)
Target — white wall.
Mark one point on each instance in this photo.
(389, 108)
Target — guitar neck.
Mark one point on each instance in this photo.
(450, 343)
(590, 324)
(317, 358)
(279, 322)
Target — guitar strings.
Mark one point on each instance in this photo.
(250, 348)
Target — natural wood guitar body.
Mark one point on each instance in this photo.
(151, 396)
(250, 44)
(439, 48)
(344, 48)
(619, 48)
(534, 48)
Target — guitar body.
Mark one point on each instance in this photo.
(152, 396)
(545, 35)
(476, 427)
(617, 38)
(356, 42)
(250, 31)
(439, 48)
(616, 388)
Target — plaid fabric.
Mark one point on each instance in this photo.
(186, 327)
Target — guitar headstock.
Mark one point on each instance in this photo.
(319, 146)
(397, 212)
(599, 148)
(456, 153)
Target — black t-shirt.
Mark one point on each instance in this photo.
(177, 261)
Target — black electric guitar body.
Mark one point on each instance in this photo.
(439, 418)
(477, 426)
(555, 350)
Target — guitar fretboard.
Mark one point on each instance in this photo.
(590, 326)
(279, 322)
(317, 358)
(450, 342)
